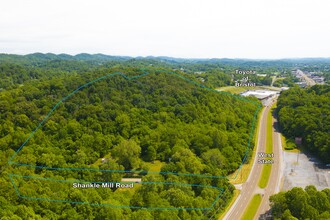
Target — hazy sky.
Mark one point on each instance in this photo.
(178, 28)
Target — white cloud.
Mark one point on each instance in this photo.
(180, 28)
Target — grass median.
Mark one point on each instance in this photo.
(269, 149)
(252, 208)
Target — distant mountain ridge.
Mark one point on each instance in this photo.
(88, 56)
(37, 59)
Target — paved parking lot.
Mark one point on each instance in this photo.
(301, 171)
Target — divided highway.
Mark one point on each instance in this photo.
(309, 81)
(250, 187)
(275, 175)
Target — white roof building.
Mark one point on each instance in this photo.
(259, 94)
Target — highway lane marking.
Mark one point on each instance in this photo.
(249, 185)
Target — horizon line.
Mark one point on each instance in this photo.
(163, 56)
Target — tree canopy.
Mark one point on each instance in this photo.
(306, 113)
(116, 124)
(298, 203)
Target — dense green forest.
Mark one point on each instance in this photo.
(210, 72)
(121, 122)
(298, 203)
(163, 127)
(306, 113)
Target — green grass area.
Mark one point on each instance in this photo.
(269, 139)
(234, 89)
(233, 199)
(155, 166)
(283, 141)
(263, 181)
(289, 145)
(98, 162)
(252, 208)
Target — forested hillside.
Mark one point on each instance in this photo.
(120, 122)
(213, 73)
(306, 113)
(298, 203)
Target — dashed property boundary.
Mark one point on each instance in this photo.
(12, 176)
(11, 162)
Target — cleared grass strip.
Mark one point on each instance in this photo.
(265, 175)
(269, 149)
(252, 208)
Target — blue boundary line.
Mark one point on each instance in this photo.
(11, 162)
(110, 205)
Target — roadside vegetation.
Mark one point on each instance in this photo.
(266, 169)
(252, 208)
(298, 203)
(228, 205)
(305, 113)
(240, 176)
(288, 145)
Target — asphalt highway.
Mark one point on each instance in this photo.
(275, 175)
(309, 81)
(250, 187)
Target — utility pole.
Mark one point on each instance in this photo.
(298, 157)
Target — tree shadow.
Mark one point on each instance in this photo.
(276, 124)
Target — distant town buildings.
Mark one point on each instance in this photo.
(308, 78)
